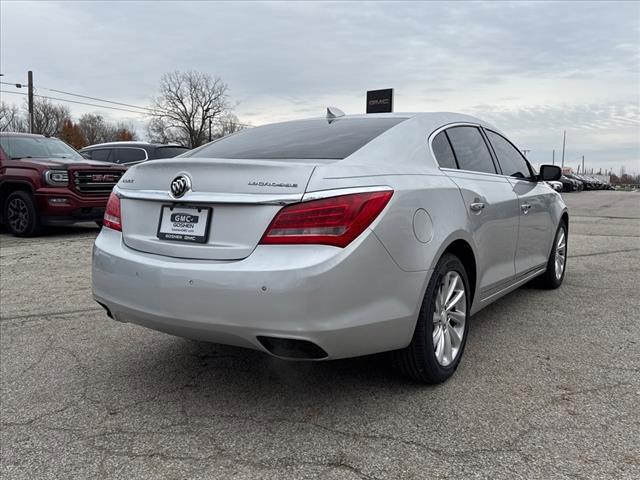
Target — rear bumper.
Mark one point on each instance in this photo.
(349, 302)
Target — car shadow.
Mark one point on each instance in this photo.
(208, 369)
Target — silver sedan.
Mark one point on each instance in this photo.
(333, 237)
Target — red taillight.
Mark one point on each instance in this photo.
(112, 215)
(329, 221)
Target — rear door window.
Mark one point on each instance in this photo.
(470, 149)
(128, 155)
(511, 161)
(101, 154)
(442, 151)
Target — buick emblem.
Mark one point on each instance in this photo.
(180, 185)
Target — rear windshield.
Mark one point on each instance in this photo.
(304, 139)
(169, 152)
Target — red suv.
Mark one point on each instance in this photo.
(44, 181)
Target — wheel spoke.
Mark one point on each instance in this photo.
(440, 349)
(439, 300)
(451, 281)
(456, 339)
(437, 333)
(447, 354)
(459, 295)
(457, 317)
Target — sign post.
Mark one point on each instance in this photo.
(380, 101)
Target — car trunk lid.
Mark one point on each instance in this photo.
(236, 200)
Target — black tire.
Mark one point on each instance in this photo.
(20, 214)
(549, 279)
(418, 360)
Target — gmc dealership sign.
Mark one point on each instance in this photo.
(380, 101)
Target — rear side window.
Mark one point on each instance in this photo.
(470, 149)
(169, 152)
(303, 139)
(442, 151)
(103, 154)
(128, 155)
(511, 160)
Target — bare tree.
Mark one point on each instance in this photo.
(49, 118)
(124, 131)
(159, 132)
(12, 119)
(228, 124)
(94, 128)
(97, 130)
(186, 102)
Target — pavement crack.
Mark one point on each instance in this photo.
(47, 314)
(604, 253)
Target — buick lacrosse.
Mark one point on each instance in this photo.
(333, 237)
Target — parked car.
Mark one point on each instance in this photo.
(131, 153)
(578, 184)
(44, 181)
(556, 185)
(583, 183)
(333, 237)
(599, 184)
(569, 184)
(590, 182)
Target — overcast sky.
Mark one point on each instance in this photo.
(532, 69)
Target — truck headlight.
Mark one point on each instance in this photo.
(56, 177)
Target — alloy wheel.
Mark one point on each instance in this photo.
(449, 318)
(561, 253)
(18, 215)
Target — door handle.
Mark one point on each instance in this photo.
(525, 208)
(477, 206)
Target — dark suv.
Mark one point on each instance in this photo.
(131, 153)
(44, 181)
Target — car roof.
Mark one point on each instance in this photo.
(434, 117)
(21, 134)
(132, 144)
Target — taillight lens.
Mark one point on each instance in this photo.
(112, 215)
(329, 221)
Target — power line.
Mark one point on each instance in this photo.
(15, 84)
(75, 101)
(95, 98)
(147, 111)
(20, 85)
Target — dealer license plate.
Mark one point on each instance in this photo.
(184, 224)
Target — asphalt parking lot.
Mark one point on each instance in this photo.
(549, 386)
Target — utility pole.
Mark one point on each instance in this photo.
(30, 96)
(564, 139)
(553, 157)
(209, 128)
(583, 163)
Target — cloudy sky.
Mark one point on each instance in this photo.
(532, 69)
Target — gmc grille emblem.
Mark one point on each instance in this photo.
(103, 177)
(180, 185)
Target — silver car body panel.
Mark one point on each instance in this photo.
(362, 299)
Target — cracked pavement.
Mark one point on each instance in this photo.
(549, 386)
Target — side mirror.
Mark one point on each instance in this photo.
(549, 173)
